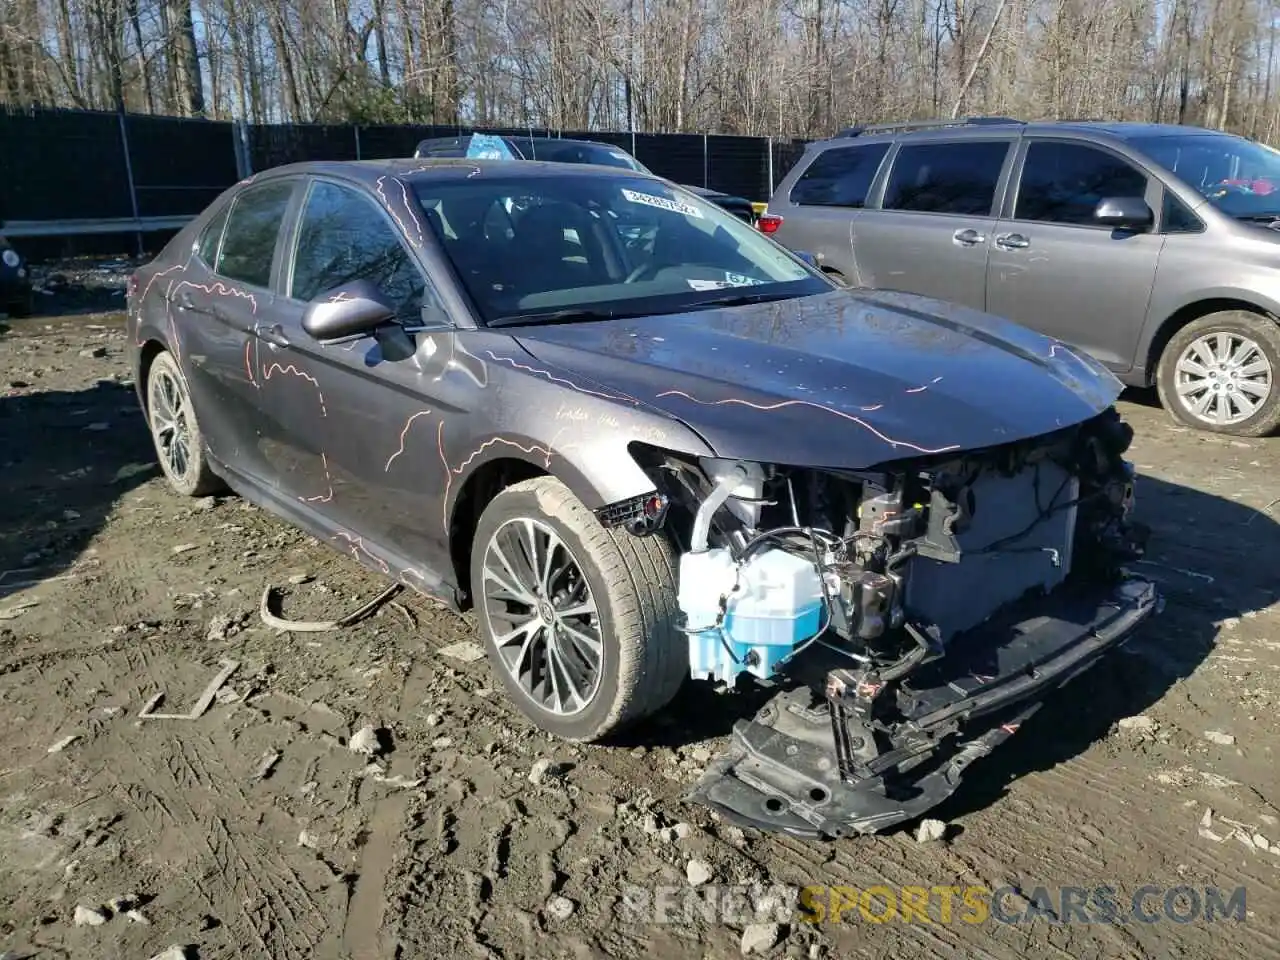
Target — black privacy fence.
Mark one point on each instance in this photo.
(60, 165)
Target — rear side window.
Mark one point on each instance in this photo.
(946, 177)
(1063, 182)
(212, 236)
(839, 177)
(345, 237)
(249, 242)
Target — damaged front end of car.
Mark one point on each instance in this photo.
(913, 615)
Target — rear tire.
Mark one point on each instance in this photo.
(533, 616)
(1221, 373)
(175, 431)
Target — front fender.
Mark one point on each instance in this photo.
(581, 440)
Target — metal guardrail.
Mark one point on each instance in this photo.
(72, 228)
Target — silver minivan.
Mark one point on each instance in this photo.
(1155, 248)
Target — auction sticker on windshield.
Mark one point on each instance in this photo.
(662, 203)
(730, 280)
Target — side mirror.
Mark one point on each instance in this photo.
(351, 310)
(1124, 213)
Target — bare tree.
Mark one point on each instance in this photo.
(779, 67)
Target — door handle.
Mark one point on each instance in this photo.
(1012, 241)
(968, 237)
(273, 334)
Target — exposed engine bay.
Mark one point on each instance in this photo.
(918, 611)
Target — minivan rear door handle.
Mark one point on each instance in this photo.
(968, 237)
(1012, 241)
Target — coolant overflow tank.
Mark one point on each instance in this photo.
(771, 604)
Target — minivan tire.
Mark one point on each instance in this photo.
(1262, 331)
(632, 584)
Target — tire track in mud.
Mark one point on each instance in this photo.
(362, 934)
(1023, 841)
(186, 796)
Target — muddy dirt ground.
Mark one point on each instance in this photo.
(255, 831)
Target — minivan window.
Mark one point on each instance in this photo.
(1239, 177)
(253, 226)
(345, 237)
(1063, 182)
(839, 177)
(946, 177)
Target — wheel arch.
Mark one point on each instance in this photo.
(599, 469)
(147, 354)
(475, 493)
(1189, 313)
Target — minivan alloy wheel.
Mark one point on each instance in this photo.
(1223, 378)
(545, 624)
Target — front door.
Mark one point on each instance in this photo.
(368, 421)
(1053, 269)
(932, 230)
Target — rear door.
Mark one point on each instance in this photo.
(824, 200)
(215, 306)
(1052, 268)
(931, 231)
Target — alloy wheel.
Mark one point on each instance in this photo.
(545, 625)
(1223, 378)
(169, 424)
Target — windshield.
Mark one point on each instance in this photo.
(1239, 177)
(543, 247)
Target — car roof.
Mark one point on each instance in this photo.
(421, 169)
(1002, 127)
(576, 143)
(520, 137)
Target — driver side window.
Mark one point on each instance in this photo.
(344, 236)
(1063, 182)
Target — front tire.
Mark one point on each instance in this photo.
(579, 621)
(1221, 373)
(175, 431)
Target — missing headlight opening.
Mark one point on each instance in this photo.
(918, 608)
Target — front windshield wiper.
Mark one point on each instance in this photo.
(569, 315)
(741, 299)
(1259, 217)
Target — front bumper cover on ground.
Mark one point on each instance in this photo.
(806, 766)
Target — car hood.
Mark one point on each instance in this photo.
(847, 379)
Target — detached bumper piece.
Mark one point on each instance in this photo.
(845, 752)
